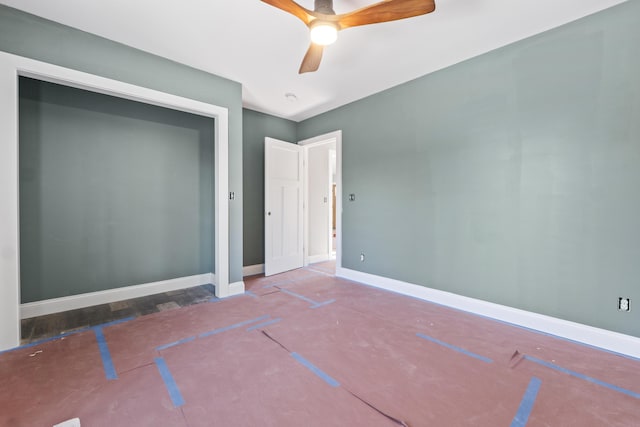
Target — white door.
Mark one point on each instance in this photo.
(283, 226)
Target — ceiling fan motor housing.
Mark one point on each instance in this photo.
(324, 6)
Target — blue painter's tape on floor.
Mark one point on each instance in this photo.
(504, 322)
(45, 340)
(313, 368)
(267, 323)
(275, 284)
(66, 334)
(169, 382)
(321, 304)
(526, 404)
(302, 297)
(109, 369)
(583, 377)
(236, 325)
(175, 343)
(453, 347)
(115, 322)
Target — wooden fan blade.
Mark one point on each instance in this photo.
(384, 11)
(312, 59)
(293, 8)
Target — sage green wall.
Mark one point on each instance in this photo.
(511, 177)
(112, 192)
(27, 35)
(256, 126)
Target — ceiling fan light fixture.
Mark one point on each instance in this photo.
(323, 33)
(324, 23)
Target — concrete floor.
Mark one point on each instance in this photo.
(51, 325)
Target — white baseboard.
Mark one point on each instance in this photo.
(608, 340)
(318, 258)
(252, 270)
(236, 288)
(56, 305)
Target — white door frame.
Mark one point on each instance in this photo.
(11, 68)
(314, 142)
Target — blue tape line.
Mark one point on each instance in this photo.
(115, 322)
(313, 368)
(169, 382)
(175, 343)
(583, 377)
(109, 369)
(236, 325)
(453, 347)
(66, 334)
(267, 323)
(320, 304)
(45, 340)
(504, 322)
(302, 297)
(526, 404)
(281, 282)
(251, 294)
(215, 331)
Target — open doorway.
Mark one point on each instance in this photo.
(321, 199)
(302, 216)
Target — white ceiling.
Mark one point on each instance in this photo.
(261, 47)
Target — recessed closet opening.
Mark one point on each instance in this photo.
(113, 192)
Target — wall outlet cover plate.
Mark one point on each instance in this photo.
(624, 304)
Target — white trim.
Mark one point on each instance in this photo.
(608, 340)
(318, 258)
(57, 305)
(252, 270)
(12, 66)
(319, 140)
(221, 214)
(9, 219)
(236, 288)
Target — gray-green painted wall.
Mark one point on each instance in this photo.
(112, 192)
(256, 126)
(511, 177)
(27, 35)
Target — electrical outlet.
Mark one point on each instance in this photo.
(624, 304)
(361, 257)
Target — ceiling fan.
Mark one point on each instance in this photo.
(324, 23)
